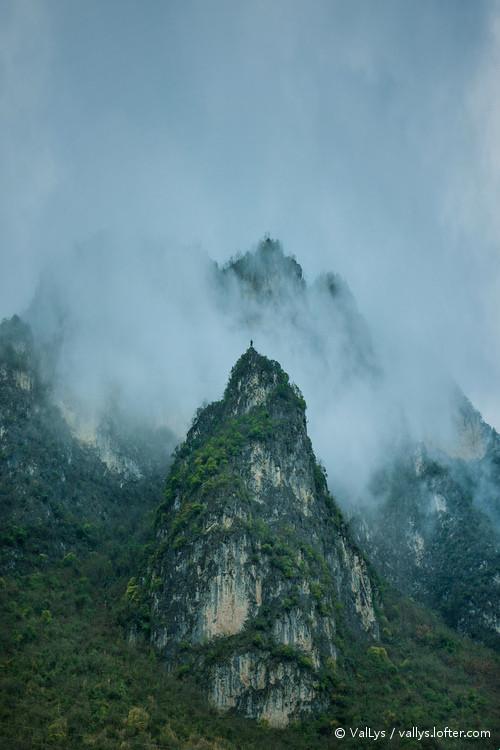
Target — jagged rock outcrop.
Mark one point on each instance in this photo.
(255, 579)
(266, 290)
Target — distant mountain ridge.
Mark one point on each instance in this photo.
(55, 488)
(429, 539)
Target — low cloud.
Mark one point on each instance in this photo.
(364, 136)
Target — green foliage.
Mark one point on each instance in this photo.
(206, 471)
(57, 732)
(320, 477)
(13, 535)
(132, 593)
(290, 653)
(70, 679)
(188, 512)
(461, 554)
(137, 719)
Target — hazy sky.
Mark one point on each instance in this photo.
(365, 135)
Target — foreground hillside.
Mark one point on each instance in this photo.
(73, 677)
(70, 679)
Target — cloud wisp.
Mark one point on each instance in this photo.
(365, 137)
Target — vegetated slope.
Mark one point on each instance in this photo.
(426, 535)
(70, 679)
(58, 492)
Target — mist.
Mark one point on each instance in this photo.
(156, 330)
(142, 146)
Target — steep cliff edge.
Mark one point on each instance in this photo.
(255, 581)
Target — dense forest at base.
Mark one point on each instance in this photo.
(70, 678)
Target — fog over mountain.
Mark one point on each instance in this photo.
(249, 368)
(138, 148)
(155, 331)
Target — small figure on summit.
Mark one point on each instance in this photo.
(251, 343)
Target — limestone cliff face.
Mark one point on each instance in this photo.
(255, 577)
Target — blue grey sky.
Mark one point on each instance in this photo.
(365, 135)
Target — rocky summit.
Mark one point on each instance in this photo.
(255, 583)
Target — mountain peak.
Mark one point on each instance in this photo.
(253, 555)
(267, 271)
(257, 380)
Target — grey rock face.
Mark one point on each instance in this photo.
(255, 576)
